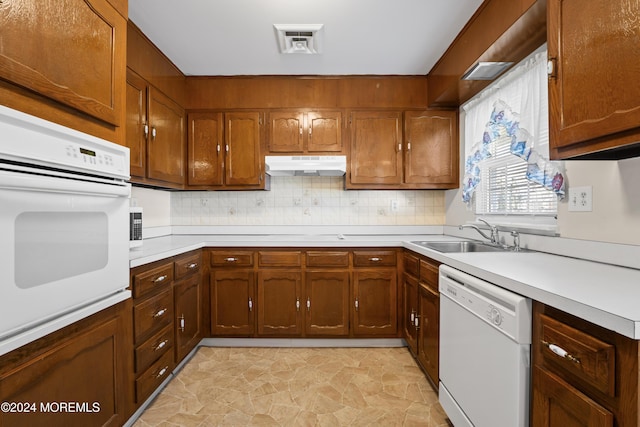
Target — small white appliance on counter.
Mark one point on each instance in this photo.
(135, 227)
(485, 350)
(64, 210)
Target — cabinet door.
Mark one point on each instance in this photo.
(286, 132)
(410, 305)
(166, 148)
(429, 331)
(188, 312)
(594, 89)
(375, 302)
(376, 147)
(279, 303)
(204, 149)
(327, 303)
(136, 125)
(431, 149)
(324, 130)
(71, 51)
(85, 368)
(232, 302)
(557, 404)
(243, 136)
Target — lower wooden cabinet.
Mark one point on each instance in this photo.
(84, 365)
(421, 316)
(582, 374)
(187, 296)
(303, 293)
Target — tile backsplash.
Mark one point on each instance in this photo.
(308, 201)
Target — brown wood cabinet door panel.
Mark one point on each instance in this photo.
(410, 309)
(286, 132)
(591, 360)
(72, 51)
(280, 303)
(232, 302)
(136, 123)
(594, 90)
(326, 303)
(279, 258)
(204, 149)
(429, 331)
(243, 164)
(188, 315)
(187, 264)
(324, 131)
(376, 147)
(151, 280)
(375, 302)
(153, 348)
(70, 372)
(556, 404)
(152, 315)
(431, 149)
(166, 148)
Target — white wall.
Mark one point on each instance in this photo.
(156, 206)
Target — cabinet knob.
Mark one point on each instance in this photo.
(192, 265)
(250, 304)
(161, 345)
(374, 259)
(146, 131)
(162, 372)
(416, 322)
(181, 323)
(551, 67)
(308, 304)
(356, 304)
(297, 304)
(153, 132)
(231, 259)
(559, 351)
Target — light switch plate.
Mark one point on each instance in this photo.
(581, 199)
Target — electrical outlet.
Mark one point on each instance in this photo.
(580, 199)
(394, 206)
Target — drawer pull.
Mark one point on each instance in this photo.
(297, 304)
(250, 304)
(308, 304)
(356, 304)
(160, 279)
(416, 322)
(192, 265)
(181, 323)
(162, 372)
(374, 259)
(561, 352)
(159, 313)
(161, 345)
(413, 316)
(231, 259)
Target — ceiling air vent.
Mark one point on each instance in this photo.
(299, 38)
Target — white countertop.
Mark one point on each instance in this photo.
(603, 294)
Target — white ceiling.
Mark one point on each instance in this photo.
(237, 37)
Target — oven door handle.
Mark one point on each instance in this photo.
(29, 182)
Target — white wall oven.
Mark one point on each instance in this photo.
(64, 226)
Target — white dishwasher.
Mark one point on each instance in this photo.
(485, 346)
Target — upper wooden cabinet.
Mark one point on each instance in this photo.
(305, 132)
(594, 96)
(426, 158)
(73, 52)
(225, 150)
(154, 134)
(376, 148)
(431, 148)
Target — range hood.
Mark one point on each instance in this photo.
(306, 165)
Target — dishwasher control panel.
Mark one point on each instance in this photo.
(499, 308)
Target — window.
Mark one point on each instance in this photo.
(507, 169)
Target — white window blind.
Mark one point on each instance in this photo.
(503, 187)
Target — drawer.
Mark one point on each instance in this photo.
(429, 273)
(231, 258)
(578, 354)
(150, 350)
(187, 265)
(152, 315)
(374, 258)
(328, 259)
(411, 264)
(151, 280)
(153, 377)
(280, 258)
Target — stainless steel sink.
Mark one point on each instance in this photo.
(465, 246)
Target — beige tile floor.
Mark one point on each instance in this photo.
(297, 387)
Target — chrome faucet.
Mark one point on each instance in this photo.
(494, 237)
